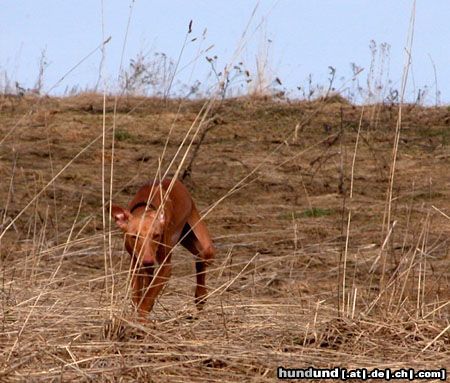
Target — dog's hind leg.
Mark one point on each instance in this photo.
(203, 242)
(196, 239)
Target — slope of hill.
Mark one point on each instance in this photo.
(316, 265)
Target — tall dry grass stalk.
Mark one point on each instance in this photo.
(389, 196)
(109, 261)
(349, 218)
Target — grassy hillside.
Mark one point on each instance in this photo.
(309, 271)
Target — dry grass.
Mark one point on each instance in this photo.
(277, 282)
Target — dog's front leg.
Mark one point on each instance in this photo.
(154, 288)
(144, 277)
(137, 284)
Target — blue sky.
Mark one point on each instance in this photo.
(306, 37)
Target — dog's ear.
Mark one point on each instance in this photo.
(121, 216)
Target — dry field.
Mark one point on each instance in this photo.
(315, 267)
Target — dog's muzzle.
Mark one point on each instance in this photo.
(148, 263)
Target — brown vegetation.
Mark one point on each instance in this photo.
(277, 283)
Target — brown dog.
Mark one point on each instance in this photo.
(159, 217)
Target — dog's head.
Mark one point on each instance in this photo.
(143, 232)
